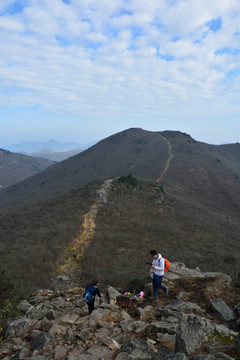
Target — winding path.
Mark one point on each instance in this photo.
(170, 156)
(76, 249)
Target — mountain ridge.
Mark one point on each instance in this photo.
(203, 173)
(17, 167)
(175, 214)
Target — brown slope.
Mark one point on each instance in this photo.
(141, 153)
(134, 221)
(204, 174)
(17, 167)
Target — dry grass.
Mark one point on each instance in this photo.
(138, 220)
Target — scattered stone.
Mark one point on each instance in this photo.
(166, 327)
(20, 354)
(181, 306)
(84, 335)
(17, 327)
(68, 319)
(111, 295)
(191, 333)
(42, 340)
(60, 352)
(24, 305)
(222, 310)
(57, 326)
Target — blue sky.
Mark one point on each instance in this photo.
(81, 70)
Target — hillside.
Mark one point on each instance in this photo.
(141, 153)
(93, 233)
(54, 219)
(17, 167)
(205, 175)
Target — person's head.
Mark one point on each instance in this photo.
(95, 281)
(153, 253)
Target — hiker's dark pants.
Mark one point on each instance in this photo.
(91, 306)
(157, 284)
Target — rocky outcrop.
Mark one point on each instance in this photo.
(56, 325)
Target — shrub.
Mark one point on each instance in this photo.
(129, 181)
(136, 285)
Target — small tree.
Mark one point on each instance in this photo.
(129, 181)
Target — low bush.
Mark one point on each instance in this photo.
(136, 285)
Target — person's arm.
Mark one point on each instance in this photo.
(97, 292)
(158, 265)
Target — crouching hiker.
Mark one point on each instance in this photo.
(89, 295)
(158, 265)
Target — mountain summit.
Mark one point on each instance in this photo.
(192, 170)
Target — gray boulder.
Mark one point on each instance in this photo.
(20, 354)
(166, 354)
(191, 333)
(17, 327)
(181, 270)
(42, 340)
(222, 310)
(111, 295)
(167, 326)
(24, 305)
(181, 306)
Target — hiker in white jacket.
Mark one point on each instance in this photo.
(158, 264)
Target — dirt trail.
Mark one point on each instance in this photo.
(170, 156)
(75, 251)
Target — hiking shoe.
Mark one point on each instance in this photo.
(166, 291)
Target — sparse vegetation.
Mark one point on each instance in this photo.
(33, 239)
(133, 223)
(129, 180)
(192, 216)
(136, 285)
(7, 300)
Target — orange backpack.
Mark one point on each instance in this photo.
(167, 264)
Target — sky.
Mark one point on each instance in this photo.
(82, 70)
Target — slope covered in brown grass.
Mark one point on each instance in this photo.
(17, 167)
(136, 220)
(190, 215)
(141, 153)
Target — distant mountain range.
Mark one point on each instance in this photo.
(52, 145)
(54, 156)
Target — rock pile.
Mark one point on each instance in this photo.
(55, 323)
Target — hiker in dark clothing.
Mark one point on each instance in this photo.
(94, 290)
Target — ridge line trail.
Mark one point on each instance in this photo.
(75, 250)
(170, 156)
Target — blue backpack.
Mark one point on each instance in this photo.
(88, 293)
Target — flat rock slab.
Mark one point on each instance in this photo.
(222, 310)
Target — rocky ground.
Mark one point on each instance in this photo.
(199, 319)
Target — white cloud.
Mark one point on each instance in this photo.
(112, 59)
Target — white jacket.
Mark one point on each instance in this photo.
(159, 265)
